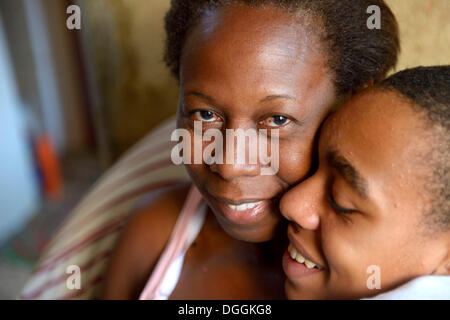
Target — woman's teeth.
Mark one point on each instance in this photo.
(244, 206)
(301, 259)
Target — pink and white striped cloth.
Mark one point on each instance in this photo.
(88, 236)
(164, 277)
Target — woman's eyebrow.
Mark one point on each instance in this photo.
(268, 98)
(277, 96)
(348, 172)
(200, 95)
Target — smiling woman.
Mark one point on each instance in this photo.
(245, 65)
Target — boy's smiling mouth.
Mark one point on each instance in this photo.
(297, 263)
(297, 256)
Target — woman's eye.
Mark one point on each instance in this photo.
(205, 116)
(276, 121)
(338, 208)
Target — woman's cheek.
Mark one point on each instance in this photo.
(295, 162)
(197, 173)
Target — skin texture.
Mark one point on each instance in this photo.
(379, 134)
(240, 58)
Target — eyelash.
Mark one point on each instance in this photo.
(192, 113)
(288, 120)
(271, 118)
(337, 208)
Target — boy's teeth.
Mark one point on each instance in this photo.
(309, 264)
(292, 251)
(295, 255)
(300, 258)
(244, 206)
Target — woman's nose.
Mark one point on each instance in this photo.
(302, 204)
(230, 172)
(240, 156)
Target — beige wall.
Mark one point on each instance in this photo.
(137, 92)
(424, 31)
(125, 40)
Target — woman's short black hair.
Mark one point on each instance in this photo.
(357, 54)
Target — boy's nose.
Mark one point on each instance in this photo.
(302, 204)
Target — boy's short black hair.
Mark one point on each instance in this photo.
(428, 90)
(356, 54)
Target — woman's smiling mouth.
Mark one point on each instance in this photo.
(244, 206)
(243, 212)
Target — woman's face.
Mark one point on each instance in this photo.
(360, 217)
(253, 68)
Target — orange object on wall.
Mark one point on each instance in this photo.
(49, 165)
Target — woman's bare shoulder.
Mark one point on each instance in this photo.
(142, 242)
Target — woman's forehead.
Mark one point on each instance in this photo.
(226, 36)
(272, 55)
(237, 19)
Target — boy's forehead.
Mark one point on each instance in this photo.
(372, 116)
(379, 132)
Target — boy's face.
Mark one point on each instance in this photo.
(363, 210)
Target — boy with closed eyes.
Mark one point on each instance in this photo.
(379, 198)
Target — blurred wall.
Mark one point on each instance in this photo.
(123, 43)
(125, 39)
(47, 69)
(19, 193)
(424, 31)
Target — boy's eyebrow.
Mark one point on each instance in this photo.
(348, 172)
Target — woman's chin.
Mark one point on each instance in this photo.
(250, 233)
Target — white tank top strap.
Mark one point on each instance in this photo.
(164, 277)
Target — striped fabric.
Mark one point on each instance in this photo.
(187, 227)
(88, 236)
